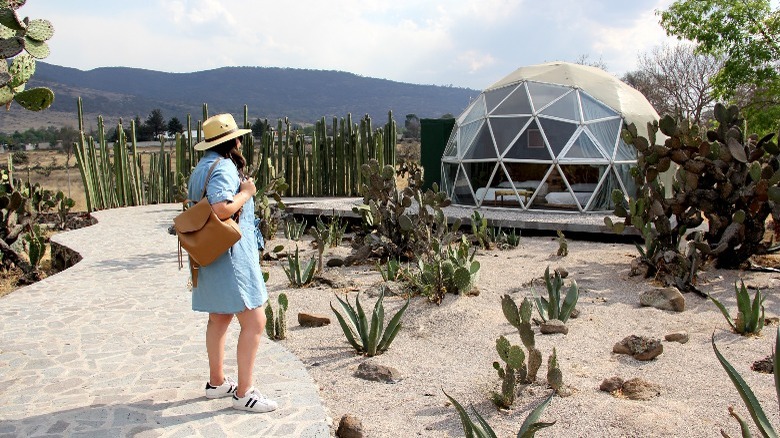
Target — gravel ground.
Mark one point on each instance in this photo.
(451, 347)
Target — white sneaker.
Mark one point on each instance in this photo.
(226, 389)
(253, 401)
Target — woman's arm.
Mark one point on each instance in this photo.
(226, 209)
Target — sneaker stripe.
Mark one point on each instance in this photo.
(247, 402)
(253, 403)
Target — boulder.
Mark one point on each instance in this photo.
(553, 326)
(377, 373)
(350, 427)
(312, 320)
(667, 298)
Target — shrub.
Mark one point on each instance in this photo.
(369, 337)
(750, 316)
(552, 307)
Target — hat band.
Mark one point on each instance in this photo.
(217, 137)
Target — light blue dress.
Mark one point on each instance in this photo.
(234, 281)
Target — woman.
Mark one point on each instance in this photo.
(232, 284)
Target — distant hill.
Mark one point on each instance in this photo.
(302, 95)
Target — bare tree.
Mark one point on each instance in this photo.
(676, 80)
(584, 59)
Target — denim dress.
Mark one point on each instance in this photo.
(233, 282)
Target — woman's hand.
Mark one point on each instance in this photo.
(248, 186)
(226, 209)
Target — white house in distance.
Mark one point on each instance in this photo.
(546, 137)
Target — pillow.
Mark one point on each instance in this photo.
(584, 187)
(530, 184)
(505, 185)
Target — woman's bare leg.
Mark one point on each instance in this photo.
(216, 332)
(252, 326)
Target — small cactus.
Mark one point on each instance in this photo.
(520, 318)
(511, 373)
(276, 328)
(554, 374)
(563, 245)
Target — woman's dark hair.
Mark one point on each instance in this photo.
(230, 149)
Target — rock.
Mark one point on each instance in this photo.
(772, 321)
(765, 365)
(312, 320)
(350, 427)
(553, 326)
(611, 384)
(640, 389)
(639, 347)
(377, 373)
(334, 262)
(334, 279)
(562, 272)
(358, 256)
(668, 298)
(575, 313)
(392, 288)
(681, 337)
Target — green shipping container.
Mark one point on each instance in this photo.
(434, 134)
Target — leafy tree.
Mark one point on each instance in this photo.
(257, 128)
(676, 80)
(155, 123)
(746, 33)
(412, 126)
(175, 126)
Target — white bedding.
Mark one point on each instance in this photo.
(566, 199)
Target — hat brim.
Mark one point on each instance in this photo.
(202, 146)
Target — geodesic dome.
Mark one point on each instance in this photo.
(546, 137)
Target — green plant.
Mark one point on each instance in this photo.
(64, 204)
(481, 429)
(392, 270)
(513, 371)
(299, 277)
(481, 231)
(563, 245)
(552, 307)
(554, 374)
(16, 36)
(509, 240)
(35, 245)
(445, 270)
(336, 230)
(750, 316)
(293, 229)
(270, 212)
(276, 328)
(520, 318)
(748, 397)
(369, 337)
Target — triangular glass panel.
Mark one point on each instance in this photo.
(552, 193)
(494, 97)
(482, 148)
(558, 133)
(625, 152)
(623, 172)
(476, 111)
(516, 103)
(449, 172)
(602, 201)
(567, 107)
(584, 148)
(462, 192)
(593, 109)
(583, 180)
(506, 129)
(482, 190)
(530, 145)
(543, 94)
(451, 150)
(526, 179)
(606, 133)
(467, 134)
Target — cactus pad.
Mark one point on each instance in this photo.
(10, 47)
(35, 99)
(6, 95)
(283, 301)
(515, 357)
(534, 363)
(12, 4)
(22, 69)
(462, 278)
(9, 19)
(38, 49)
(40, 30)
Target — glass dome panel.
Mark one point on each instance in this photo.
(606, 133)
(584, 148)
(593, 109)
(466, 134)
(567, 107)
(451, 150)
(494, 97)
(475, 112)
(516, 103)
(505, 129)
(603, 198)
(625, 152)
(479, 175)
(530, 145)
(558, 133)
(623, 171)
(482, 147)
(461, 192)
(449, 173)
(543, 94)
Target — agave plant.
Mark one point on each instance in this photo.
(297, 276)
(481, 429)
(293, 229)
(750, 316)
(748, 397)
(552, 307)
(369, 337)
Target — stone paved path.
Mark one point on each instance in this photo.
(111, 348)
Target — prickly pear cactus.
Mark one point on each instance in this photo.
(18, 36)
(511, 373)
(270, 326)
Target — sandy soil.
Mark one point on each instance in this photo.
(451, 347)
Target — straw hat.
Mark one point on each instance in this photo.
(218, 129)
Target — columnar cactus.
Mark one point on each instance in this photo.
(16, 36)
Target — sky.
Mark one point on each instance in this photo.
(462, 43)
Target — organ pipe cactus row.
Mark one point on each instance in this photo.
(369, 337)
(721, 178)
(750, 315)
(276, 326)
(17, 36)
